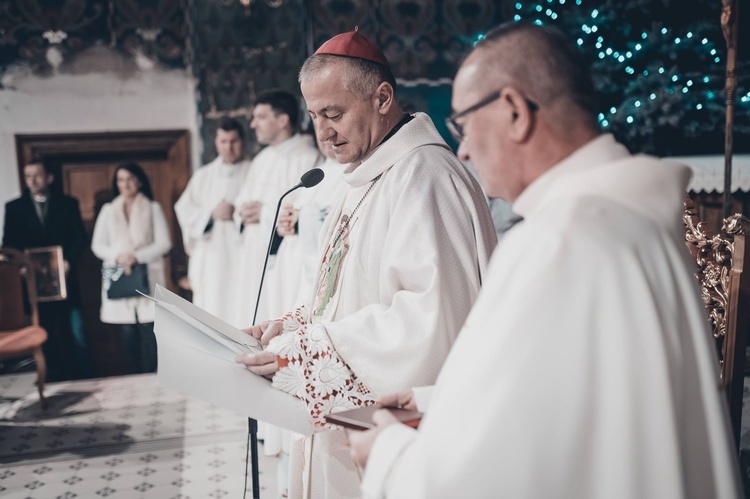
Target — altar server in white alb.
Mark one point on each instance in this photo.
(276, 169)
(292, 280)
(586, 368)
(205, 212)
(403, 257)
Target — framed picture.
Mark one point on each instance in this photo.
(49, 268)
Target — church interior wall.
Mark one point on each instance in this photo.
(97, 101)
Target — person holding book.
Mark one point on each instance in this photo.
(132, 230)
(402, 258)
(42, 217)
(586, 368)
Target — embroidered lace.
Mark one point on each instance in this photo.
(314, 371)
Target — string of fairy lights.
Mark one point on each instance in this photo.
(697, 90)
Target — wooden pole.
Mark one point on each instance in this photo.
(729, 26)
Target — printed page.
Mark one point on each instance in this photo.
(201, 365)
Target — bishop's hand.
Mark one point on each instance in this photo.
(265, 331)
(262, 364)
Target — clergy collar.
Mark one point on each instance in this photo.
(406, 118)
(597, 152)
(411, 134)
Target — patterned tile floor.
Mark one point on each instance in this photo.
(123, 437)
(128, 437)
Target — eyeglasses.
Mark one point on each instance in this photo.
(457, 129)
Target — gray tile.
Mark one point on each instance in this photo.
(120, 437)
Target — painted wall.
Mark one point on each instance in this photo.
(103, 101)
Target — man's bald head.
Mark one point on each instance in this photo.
(524, 101)
(542, 63)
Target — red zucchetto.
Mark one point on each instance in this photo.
(352, 44)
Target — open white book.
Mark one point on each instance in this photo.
(196, 356)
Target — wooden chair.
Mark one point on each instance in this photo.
(725, 289)
(17, 337)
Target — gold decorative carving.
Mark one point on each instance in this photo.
(713, 256)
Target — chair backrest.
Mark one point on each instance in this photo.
(16, 270)
(725, 288)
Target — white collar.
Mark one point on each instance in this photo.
(597, 152)
(418, 132)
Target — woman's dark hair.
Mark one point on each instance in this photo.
(138, 172)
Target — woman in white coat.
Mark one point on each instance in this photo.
(130, 230)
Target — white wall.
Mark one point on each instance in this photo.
(86, 101)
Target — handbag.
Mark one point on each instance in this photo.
(118, 285)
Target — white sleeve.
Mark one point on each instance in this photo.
(423, 395)
(390, 471)
(243, 197)
(101, 245)
(161, 244)
(191, 215)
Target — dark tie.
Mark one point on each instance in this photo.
(42, 211)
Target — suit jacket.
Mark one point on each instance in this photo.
(64, 227)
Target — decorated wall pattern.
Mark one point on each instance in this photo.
(665, 96)
(422, 39)
(240, 53)
(44, 34)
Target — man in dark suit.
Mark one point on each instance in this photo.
(42, 217)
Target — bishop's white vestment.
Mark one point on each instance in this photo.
(586, 369)
(276, 169)
(403, 258)
(211, 245)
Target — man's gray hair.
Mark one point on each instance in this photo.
(362, 76)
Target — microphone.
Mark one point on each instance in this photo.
(309, 179)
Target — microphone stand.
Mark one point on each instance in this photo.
(268, 250)
(309, 179)
(252, 425)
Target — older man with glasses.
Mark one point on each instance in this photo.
(585, 369)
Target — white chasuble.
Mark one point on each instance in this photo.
(213, 250)
(586, 369)
(276, 169)
(402, 260)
